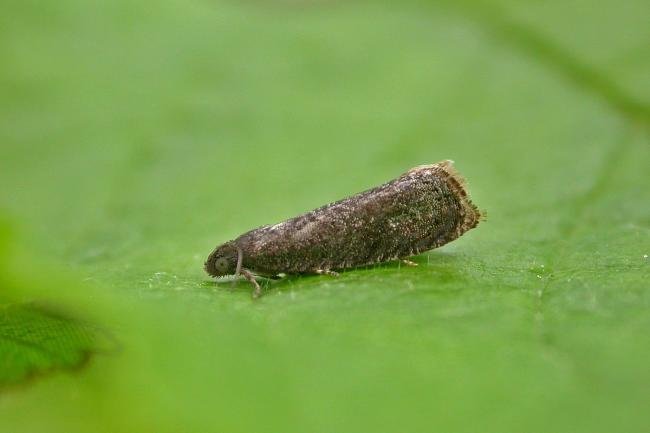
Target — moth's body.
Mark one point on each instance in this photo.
(423, 209)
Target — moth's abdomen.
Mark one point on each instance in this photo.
(424, 208)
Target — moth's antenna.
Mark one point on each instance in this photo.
(240, 259)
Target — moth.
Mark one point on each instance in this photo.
(424, 208)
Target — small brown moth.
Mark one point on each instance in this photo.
(424, 208)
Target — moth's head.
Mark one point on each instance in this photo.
(224, 260)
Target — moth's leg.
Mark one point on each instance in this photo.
(251, 279)
(327, 272)
(408, 262)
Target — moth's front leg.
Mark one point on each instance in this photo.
(251, 279)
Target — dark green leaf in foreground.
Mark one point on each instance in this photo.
(34, 341)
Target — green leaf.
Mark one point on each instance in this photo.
(138, 135)
(34, 341)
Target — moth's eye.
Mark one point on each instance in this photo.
(221, 265)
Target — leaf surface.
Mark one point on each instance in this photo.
(141, 135)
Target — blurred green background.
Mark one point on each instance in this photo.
(137, 135)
